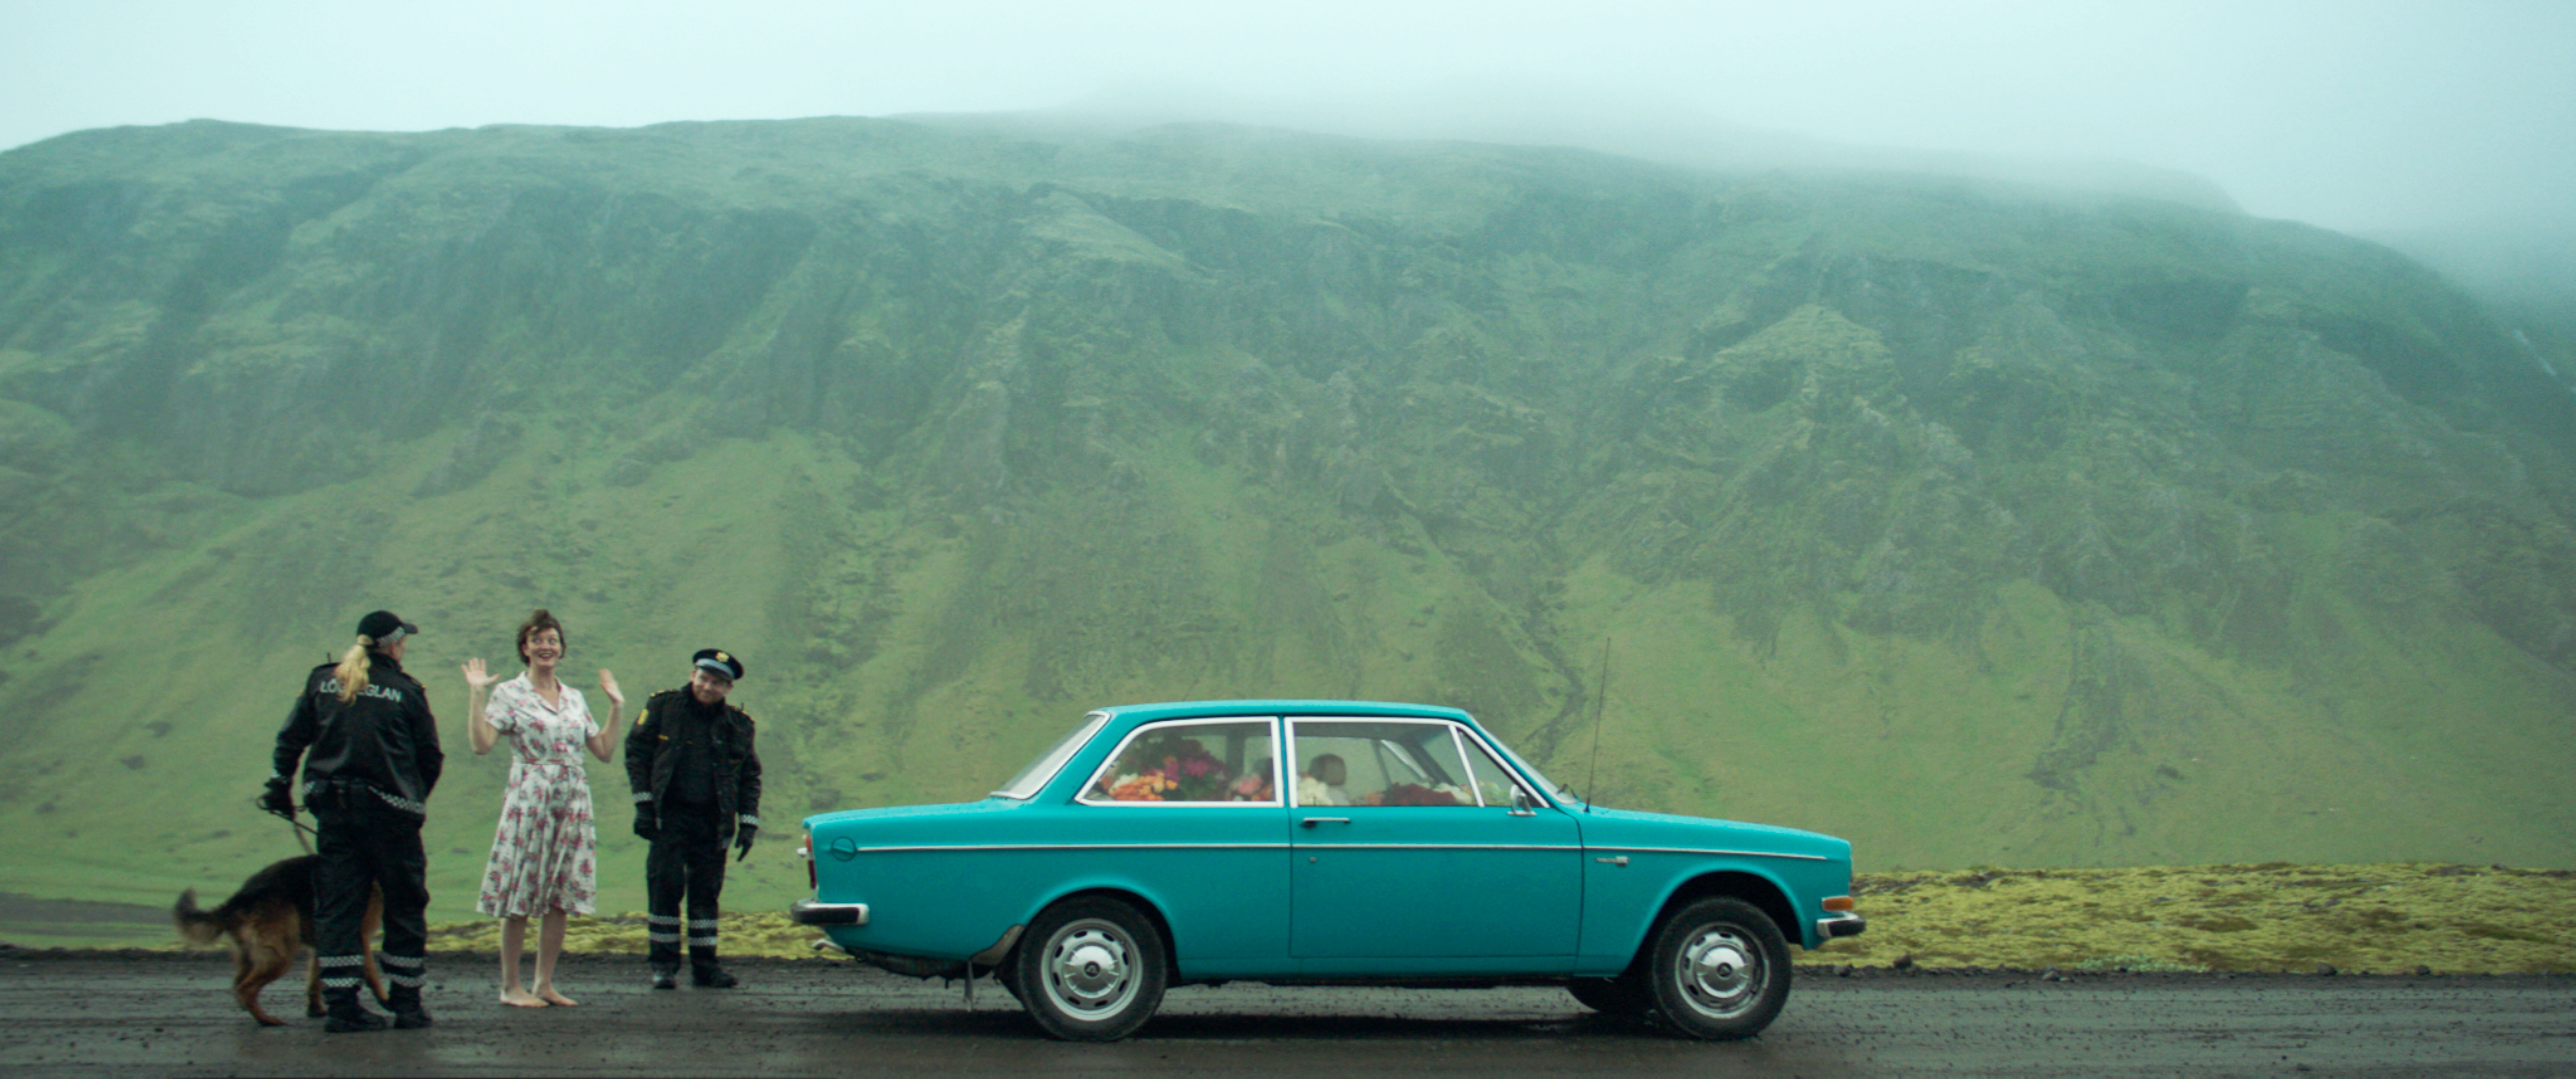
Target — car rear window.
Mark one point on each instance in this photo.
(1026, 784)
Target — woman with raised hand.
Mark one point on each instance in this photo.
(544, 852)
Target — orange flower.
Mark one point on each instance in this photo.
(1144, 788)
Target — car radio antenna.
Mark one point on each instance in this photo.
(1601, 687)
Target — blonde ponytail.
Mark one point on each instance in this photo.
(352, 671)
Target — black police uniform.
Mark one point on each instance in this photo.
(696, 778)
(369, 765)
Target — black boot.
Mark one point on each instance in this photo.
(409, 1013)
(346, 1016)
(703, 971)
(665, 979)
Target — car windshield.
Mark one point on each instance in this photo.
(1025, 785)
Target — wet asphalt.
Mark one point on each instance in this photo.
(164, 1014)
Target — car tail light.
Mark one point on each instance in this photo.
(1840, 902)
(805, 850)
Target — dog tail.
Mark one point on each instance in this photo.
(196, 926)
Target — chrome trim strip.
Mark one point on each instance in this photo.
(1705, 850)
(1221, 846)
(1436, 846)
(1112, 803)
(1458, 745)
(1075, 846)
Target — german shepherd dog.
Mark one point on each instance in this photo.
(269, 920)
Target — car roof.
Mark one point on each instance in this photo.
(1191, 709)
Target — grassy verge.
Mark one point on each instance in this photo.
(2386, 918)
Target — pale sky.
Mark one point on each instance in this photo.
(2365, 115)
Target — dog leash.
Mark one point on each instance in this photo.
(301, 832)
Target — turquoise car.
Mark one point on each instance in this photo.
(1343, 842)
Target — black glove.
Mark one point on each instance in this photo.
(742, 840)
(644, 828)
(278, 799)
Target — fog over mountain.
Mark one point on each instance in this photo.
(1650, 128)
(2358, 115)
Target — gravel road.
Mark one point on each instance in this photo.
(170, 1014)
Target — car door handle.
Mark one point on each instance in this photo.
(1313, 821)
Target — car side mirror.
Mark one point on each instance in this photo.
(1521, 806)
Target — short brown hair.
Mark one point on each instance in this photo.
(539, 622)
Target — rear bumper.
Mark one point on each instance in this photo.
(1841, 925)
(809, 912)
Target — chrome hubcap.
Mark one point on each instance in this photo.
(1088, 969)
(1720, 973)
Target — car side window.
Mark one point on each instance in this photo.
(1201, 762)
(1352, 763)
(1494, 783)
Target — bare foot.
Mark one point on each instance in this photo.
(549, 995)
(521, 998)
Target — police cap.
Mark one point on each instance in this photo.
(719, 662)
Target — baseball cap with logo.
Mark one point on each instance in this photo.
(385, 627)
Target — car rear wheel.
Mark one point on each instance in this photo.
(1090, 969)
(1719, 970)
(1624, 996)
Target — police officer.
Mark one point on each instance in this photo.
(696, 777)
(373, 758)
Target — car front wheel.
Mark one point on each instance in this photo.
(1090, 969)
(1719, 970)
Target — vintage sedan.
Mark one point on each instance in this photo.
(1312, 842)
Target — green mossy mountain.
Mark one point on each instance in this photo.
(1972, 522)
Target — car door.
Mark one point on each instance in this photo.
(1187, 812)
(1402, 853)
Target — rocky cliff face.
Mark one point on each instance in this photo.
(1977, 522)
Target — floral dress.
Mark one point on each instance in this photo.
(544, 853)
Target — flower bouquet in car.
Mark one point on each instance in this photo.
(1415, 794)
(1168, 769)
(1148, 787)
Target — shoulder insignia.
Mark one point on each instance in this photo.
(656, 700)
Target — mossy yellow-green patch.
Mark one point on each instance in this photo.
(2275, 916)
